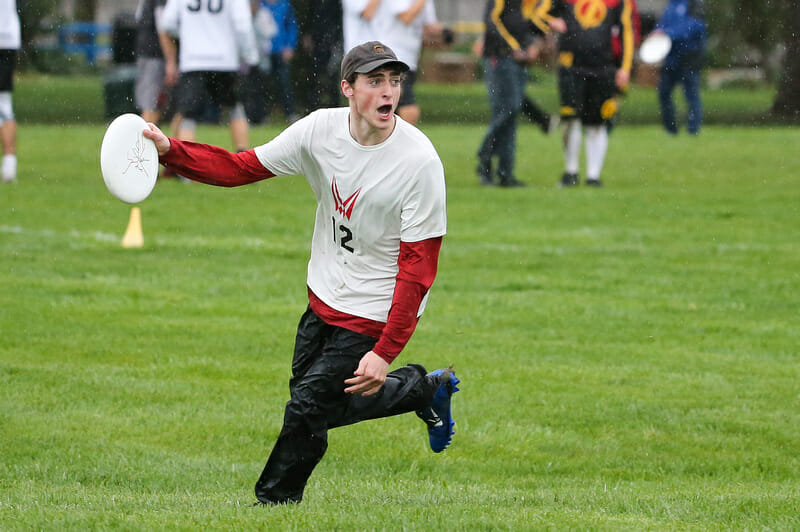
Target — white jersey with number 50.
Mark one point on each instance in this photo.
(369, 198)
(213, 34)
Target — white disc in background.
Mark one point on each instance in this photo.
(128, 160)
(655, 48)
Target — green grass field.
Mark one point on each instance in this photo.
(629, 355)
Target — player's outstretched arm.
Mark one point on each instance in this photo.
(205, 163)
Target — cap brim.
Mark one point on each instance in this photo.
(372, 65)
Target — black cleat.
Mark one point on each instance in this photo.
(569, 180)
(485, 175)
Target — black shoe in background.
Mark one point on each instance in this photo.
(569, 180)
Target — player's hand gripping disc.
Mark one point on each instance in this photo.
(128, 160)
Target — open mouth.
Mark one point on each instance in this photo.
(385, 110)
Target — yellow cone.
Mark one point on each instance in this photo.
(134, 238)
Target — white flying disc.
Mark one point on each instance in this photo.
(128, 161)
(655, 48)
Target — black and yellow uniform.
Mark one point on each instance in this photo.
(511, 25)
(587, 66)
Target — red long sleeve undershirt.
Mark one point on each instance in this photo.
(212, 165)
(417, 261)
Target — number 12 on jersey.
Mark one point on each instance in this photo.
(342, 235)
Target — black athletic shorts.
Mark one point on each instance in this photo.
(407, 97)
(195, 89)
(8, 60)
(588, 94)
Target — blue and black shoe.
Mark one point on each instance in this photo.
(437, 415)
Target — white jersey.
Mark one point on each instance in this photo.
(355, 29)
(9, 26)
(369, 198)
(213, 34)
(404, 39)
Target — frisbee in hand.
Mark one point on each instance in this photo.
(128, 161)
(655, 48)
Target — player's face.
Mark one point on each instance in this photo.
(374, 96)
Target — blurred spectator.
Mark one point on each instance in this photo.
(149, 59)
(509, 46)
(323, 42)
(10, 43)
(589, 79)
(357, 16)
(280, 52)
(400, 25)
(683, 21)
(213, 36)
(255, 81)
(542, 119)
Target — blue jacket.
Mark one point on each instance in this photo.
(683, 21)
(283, 13)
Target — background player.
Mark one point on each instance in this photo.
(509, 47)
(683, 21)
(401, 25)
(588, 76)
(149, 60)
(380, 219)
(357, 17)
(213, 37)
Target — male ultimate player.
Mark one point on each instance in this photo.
(588, 76)
(379, 224)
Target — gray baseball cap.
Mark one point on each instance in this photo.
(367, 57)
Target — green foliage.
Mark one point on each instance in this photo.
(739, 27)
(628, 354)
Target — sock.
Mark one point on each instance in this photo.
(9, 167)
(572, 146)
(596, 148)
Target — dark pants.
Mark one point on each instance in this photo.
(505, 83)
(280, 81)
(536, 114)
(689, 77)
(324, 356)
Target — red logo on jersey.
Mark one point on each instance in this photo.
(590, 13)
(344, 207)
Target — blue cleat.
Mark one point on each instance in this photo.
(437, 415)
